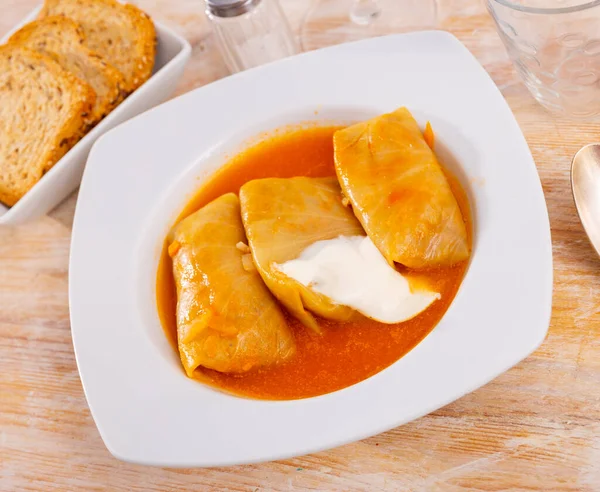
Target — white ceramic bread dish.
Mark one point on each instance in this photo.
(172, 54)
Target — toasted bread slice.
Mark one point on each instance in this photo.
(62, 39)
(42, 111)
(121, 33)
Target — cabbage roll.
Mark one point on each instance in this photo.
(282, 217)
(399, 192)
(227, 320)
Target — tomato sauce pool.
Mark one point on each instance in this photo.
(346, 352)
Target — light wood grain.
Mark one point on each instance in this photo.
(537, 427)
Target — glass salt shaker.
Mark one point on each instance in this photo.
(250, 32)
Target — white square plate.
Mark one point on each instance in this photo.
(172, 53)
(140, 175)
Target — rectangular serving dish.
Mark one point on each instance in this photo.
(172, 54)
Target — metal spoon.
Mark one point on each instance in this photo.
(585, 184)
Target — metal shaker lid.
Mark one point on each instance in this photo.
(230, 8)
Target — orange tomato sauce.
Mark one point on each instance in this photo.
(346, 352)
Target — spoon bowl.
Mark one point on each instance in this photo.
(585, 184)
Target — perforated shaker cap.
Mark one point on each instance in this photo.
(230, 8)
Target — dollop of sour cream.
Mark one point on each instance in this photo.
(351, 271)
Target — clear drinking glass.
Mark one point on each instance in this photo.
(337, 21)
(555, 47)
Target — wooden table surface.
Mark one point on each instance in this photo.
(537, 427)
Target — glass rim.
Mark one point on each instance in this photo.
(548, 10)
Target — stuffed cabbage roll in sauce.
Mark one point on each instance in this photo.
(227, 320)
(399, 192)
(283, 217)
